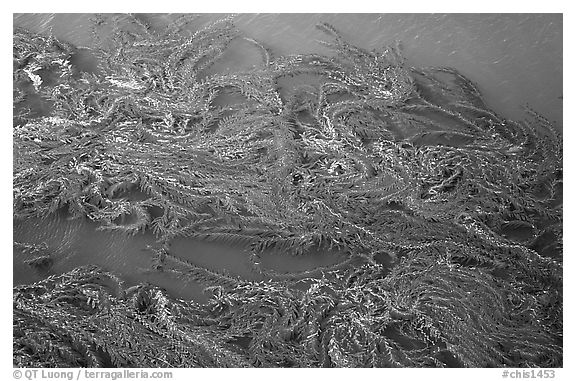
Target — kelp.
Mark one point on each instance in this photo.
(112, 326)
(404, 170)
(417, 316)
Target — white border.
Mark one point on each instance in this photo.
(299, 6)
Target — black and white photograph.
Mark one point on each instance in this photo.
(287, 190)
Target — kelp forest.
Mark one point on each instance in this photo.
(444, 219)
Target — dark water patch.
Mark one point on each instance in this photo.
(542, 190)
(155, 211)
(385, 259)
(393, 332)
(40, 264)
(282, 262)
(32, 106)
(84, 61)
(49, 77)
(518, 231)
(176, 286)
(229, 97)
(305, 117)
(127, 219)
(128, 191)
(241, 341)
(449, 359)
(37, 259)
(214, 256)
(22, 273)
(501, 273)
(396, 205)
(548, 245)
(77, 242)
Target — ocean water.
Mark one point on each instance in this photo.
(515, 60)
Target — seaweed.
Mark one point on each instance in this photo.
(404, 170)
